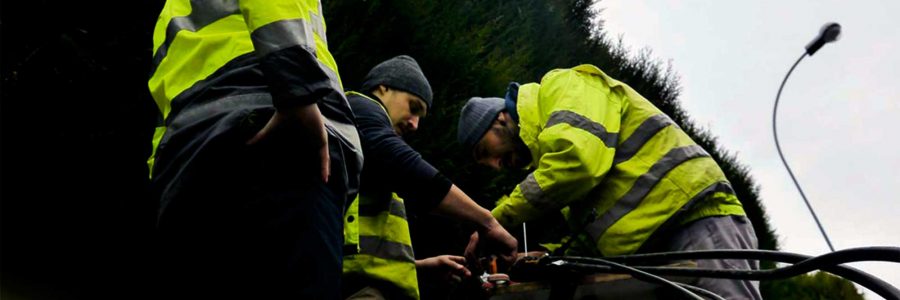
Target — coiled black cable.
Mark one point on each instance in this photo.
(801, 264)
(638, 274)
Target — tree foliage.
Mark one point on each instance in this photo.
(475, 48)
(818, 286)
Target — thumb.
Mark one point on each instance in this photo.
(264, 132)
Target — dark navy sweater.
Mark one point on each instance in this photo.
(392, 166)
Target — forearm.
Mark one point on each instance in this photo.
(458, 205)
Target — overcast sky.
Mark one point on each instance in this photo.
(837, 118)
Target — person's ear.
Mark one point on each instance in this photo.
(379, 91)
(502, 119)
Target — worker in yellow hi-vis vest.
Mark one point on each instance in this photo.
(626, 178)
(256, 156)
(394, 96)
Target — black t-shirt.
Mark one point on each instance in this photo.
(391, 165)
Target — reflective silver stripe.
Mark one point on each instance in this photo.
(203, 12)
(721, 186)
(379, 247)
(641, 135)
(642, 187)
(398, 209)
(332, 74)
(665, 229)
(318, 24)
(579, 121)
(534, 194)
(347, 131)
(192, 114)
(374, 209)
(283, 34)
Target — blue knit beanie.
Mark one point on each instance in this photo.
(476, 117)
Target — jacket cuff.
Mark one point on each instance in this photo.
(295, 78)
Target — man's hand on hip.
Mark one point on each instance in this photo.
(311, 125)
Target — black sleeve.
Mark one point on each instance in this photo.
(295, 78)
(392, 164)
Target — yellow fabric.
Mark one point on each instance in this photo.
(389, 227)
(259, 13)
(157, 136)
(351, 225)
(401, 274)
(195, 55)
(574, 167)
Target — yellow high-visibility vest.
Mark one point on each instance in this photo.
(385, 248)
(379, 228)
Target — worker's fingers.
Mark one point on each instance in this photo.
(326, 161)
(456, 264)
(459, 265)
(462, 271)
(264, 132)
(313, 125)
(456, 259)
(503, 244)
(506, 262)
(472, 248)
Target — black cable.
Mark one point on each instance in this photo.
(743, 274)
(706, 293)
(777, 146)
(889, 254)
(687, 289)
(802, 264)
(637, 274)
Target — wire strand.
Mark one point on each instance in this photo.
(701, 291)
(637, 274)
(778, 146)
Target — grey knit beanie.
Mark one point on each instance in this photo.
(476, 117)
(402, 73)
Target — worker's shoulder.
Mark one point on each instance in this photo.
(580, 70)
(366, 108)
(361, 101)
(583, 68)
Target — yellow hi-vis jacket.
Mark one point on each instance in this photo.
(617, 167)
(377, 227)
(385, 247)
(194, 39)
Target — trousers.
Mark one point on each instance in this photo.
(721, 232)
(238, 220)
